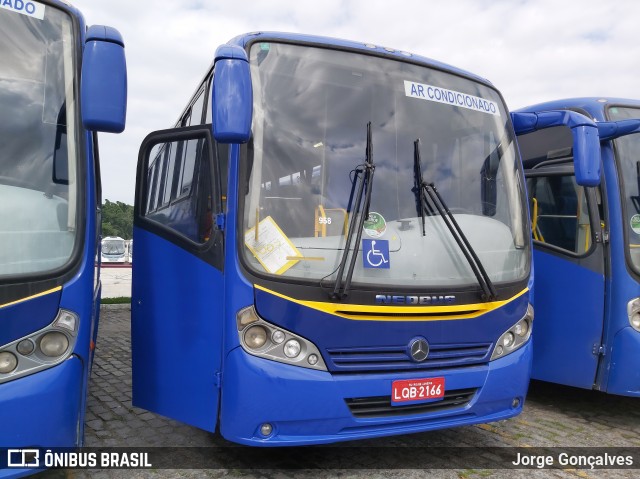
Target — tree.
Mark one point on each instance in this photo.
(117, 219)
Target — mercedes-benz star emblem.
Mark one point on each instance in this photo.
(419, 350)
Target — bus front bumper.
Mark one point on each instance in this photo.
(624, 375)
(43, 409)
(304, 406)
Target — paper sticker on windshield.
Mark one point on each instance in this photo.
(450, 97)
(271, 247)
(30, 9)
(635, 224)
(375, 225)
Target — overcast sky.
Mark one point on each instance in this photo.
(531, 50)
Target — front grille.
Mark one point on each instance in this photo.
(397, 358)
(380, 406)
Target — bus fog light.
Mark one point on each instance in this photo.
(255, 337)
(25, 347)
(312, 359)
(277, 336)
(8, 362)
(266, 429)
(292, 348)
(54, 344)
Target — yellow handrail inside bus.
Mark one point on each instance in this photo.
(537, 234)
(320, 229)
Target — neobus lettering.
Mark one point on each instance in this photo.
(412, 300)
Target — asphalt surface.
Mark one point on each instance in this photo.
(554, 416)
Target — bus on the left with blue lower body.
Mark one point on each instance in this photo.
(60, 84)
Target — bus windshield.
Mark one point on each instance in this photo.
(312, 106)
(113, 246)
(628, 158)
(37, 141)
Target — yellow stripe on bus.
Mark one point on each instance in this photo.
(368, 312)
(44, 293)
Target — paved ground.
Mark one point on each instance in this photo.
(553, 416)
(116, 281)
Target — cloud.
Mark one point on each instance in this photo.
(531, 50)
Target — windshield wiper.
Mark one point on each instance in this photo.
(429, 189)
(417, 183)
(364, 181)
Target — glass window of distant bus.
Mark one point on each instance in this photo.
(627, 149)
(38, 143)
(558, 206)
(312, 106)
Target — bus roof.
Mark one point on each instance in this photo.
(595, 106)
(243, 40)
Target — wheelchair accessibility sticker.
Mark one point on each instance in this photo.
(375, 253)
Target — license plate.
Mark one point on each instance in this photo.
(416, 390)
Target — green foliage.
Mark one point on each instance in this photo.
(117, 219)
(118, 300)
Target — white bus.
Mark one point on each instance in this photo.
(113, 249)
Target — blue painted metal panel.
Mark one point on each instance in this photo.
(569, 307)
(624, 374)
(621, 345)
(42, 410)
(308, 407)
(104, 82)
(23, 318)
(176, 332)
(622, 287)
(331, 332)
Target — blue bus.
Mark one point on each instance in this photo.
(332, 244)
(60, 83)
(587, 251)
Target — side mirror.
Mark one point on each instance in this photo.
(586, 141)
(610, 130)
(232, 98)
(104, 81)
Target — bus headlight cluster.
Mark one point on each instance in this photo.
(269, 341)
(40, 350)
(515, 337)
(633, 310)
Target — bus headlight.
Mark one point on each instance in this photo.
(40, 350)
(265, 340)
(54, 344)
(255, 337)
(515, 337)
(8, 362)
(633, 310)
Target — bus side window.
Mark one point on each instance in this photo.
(190, 213)
(562, 214)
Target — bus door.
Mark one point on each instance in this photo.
(176, 335)
(569, 261)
